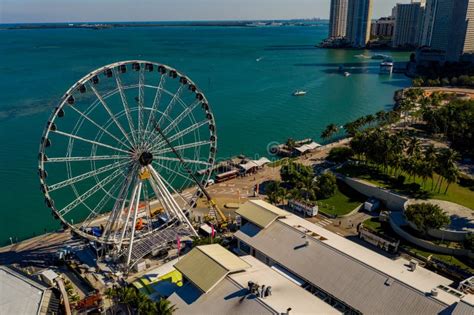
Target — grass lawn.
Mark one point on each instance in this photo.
(450, 260)
(373, 224)
(415, 189)
(344, 201)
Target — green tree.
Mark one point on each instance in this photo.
(164, 307)
(417, 82)
(326, 184)
(427, 216)
(469, 242)
(381, 117)
(290, 143)
(294, 173)
(329, 131)
(275, 193)
(429, 161)
(340, 154)
(447, 168)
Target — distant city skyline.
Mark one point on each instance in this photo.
(29, 11)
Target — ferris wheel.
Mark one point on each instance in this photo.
(121, 152)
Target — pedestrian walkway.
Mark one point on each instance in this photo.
(324, 222)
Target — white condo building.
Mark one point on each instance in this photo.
(338, 18)
(408, 22)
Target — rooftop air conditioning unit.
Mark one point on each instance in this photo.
(434, 292)
(413, 264)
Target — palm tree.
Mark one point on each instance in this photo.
(294, 194)
(291, 143)
(380, 116)
(451, 174)
(165, 307)
(447, 167)
(308, 188)
(330, 131)
(369, 119)
(414, 147)
(430, 161)
(351, 128)
(275, 193)
(145, 305)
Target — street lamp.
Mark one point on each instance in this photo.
(11, 240)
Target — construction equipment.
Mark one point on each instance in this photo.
(215, 213)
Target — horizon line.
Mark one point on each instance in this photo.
(163, 21)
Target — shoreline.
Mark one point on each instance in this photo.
(268, 173)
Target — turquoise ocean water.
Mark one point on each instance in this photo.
(251, 99)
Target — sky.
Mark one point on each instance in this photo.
(17, 11)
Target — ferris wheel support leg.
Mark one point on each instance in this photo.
(132, 236)
(114, 218)
(176, 207)
(162, 197)
(128, 217)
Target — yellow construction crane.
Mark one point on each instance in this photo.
(220, 217)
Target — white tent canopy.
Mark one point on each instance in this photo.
(308, 147)
(254, 163)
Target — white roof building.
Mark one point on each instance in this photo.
(218, 284)
(21, 295)
(346, 274)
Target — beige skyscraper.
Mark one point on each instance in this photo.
(338, 18)
(408, 22)
(359, 15)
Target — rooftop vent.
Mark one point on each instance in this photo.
(413, 265)
(434, 292)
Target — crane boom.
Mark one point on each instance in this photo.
(211, 201)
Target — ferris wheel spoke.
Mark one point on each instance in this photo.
(80, 199)
(171, 170)
(89, 141)
(126, 108)
(181, 116)
(180, 134)
(100, 127)
(87, 175)
(170, 105)
(112, 116)
(141, 81)
(156, 102)
(96, 211)
(183, 147)
(85, 158)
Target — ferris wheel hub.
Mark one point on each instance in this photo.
(145, 158)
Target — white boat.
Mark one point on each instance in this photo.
(386, 67)
(346, 74)
(299, 93)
